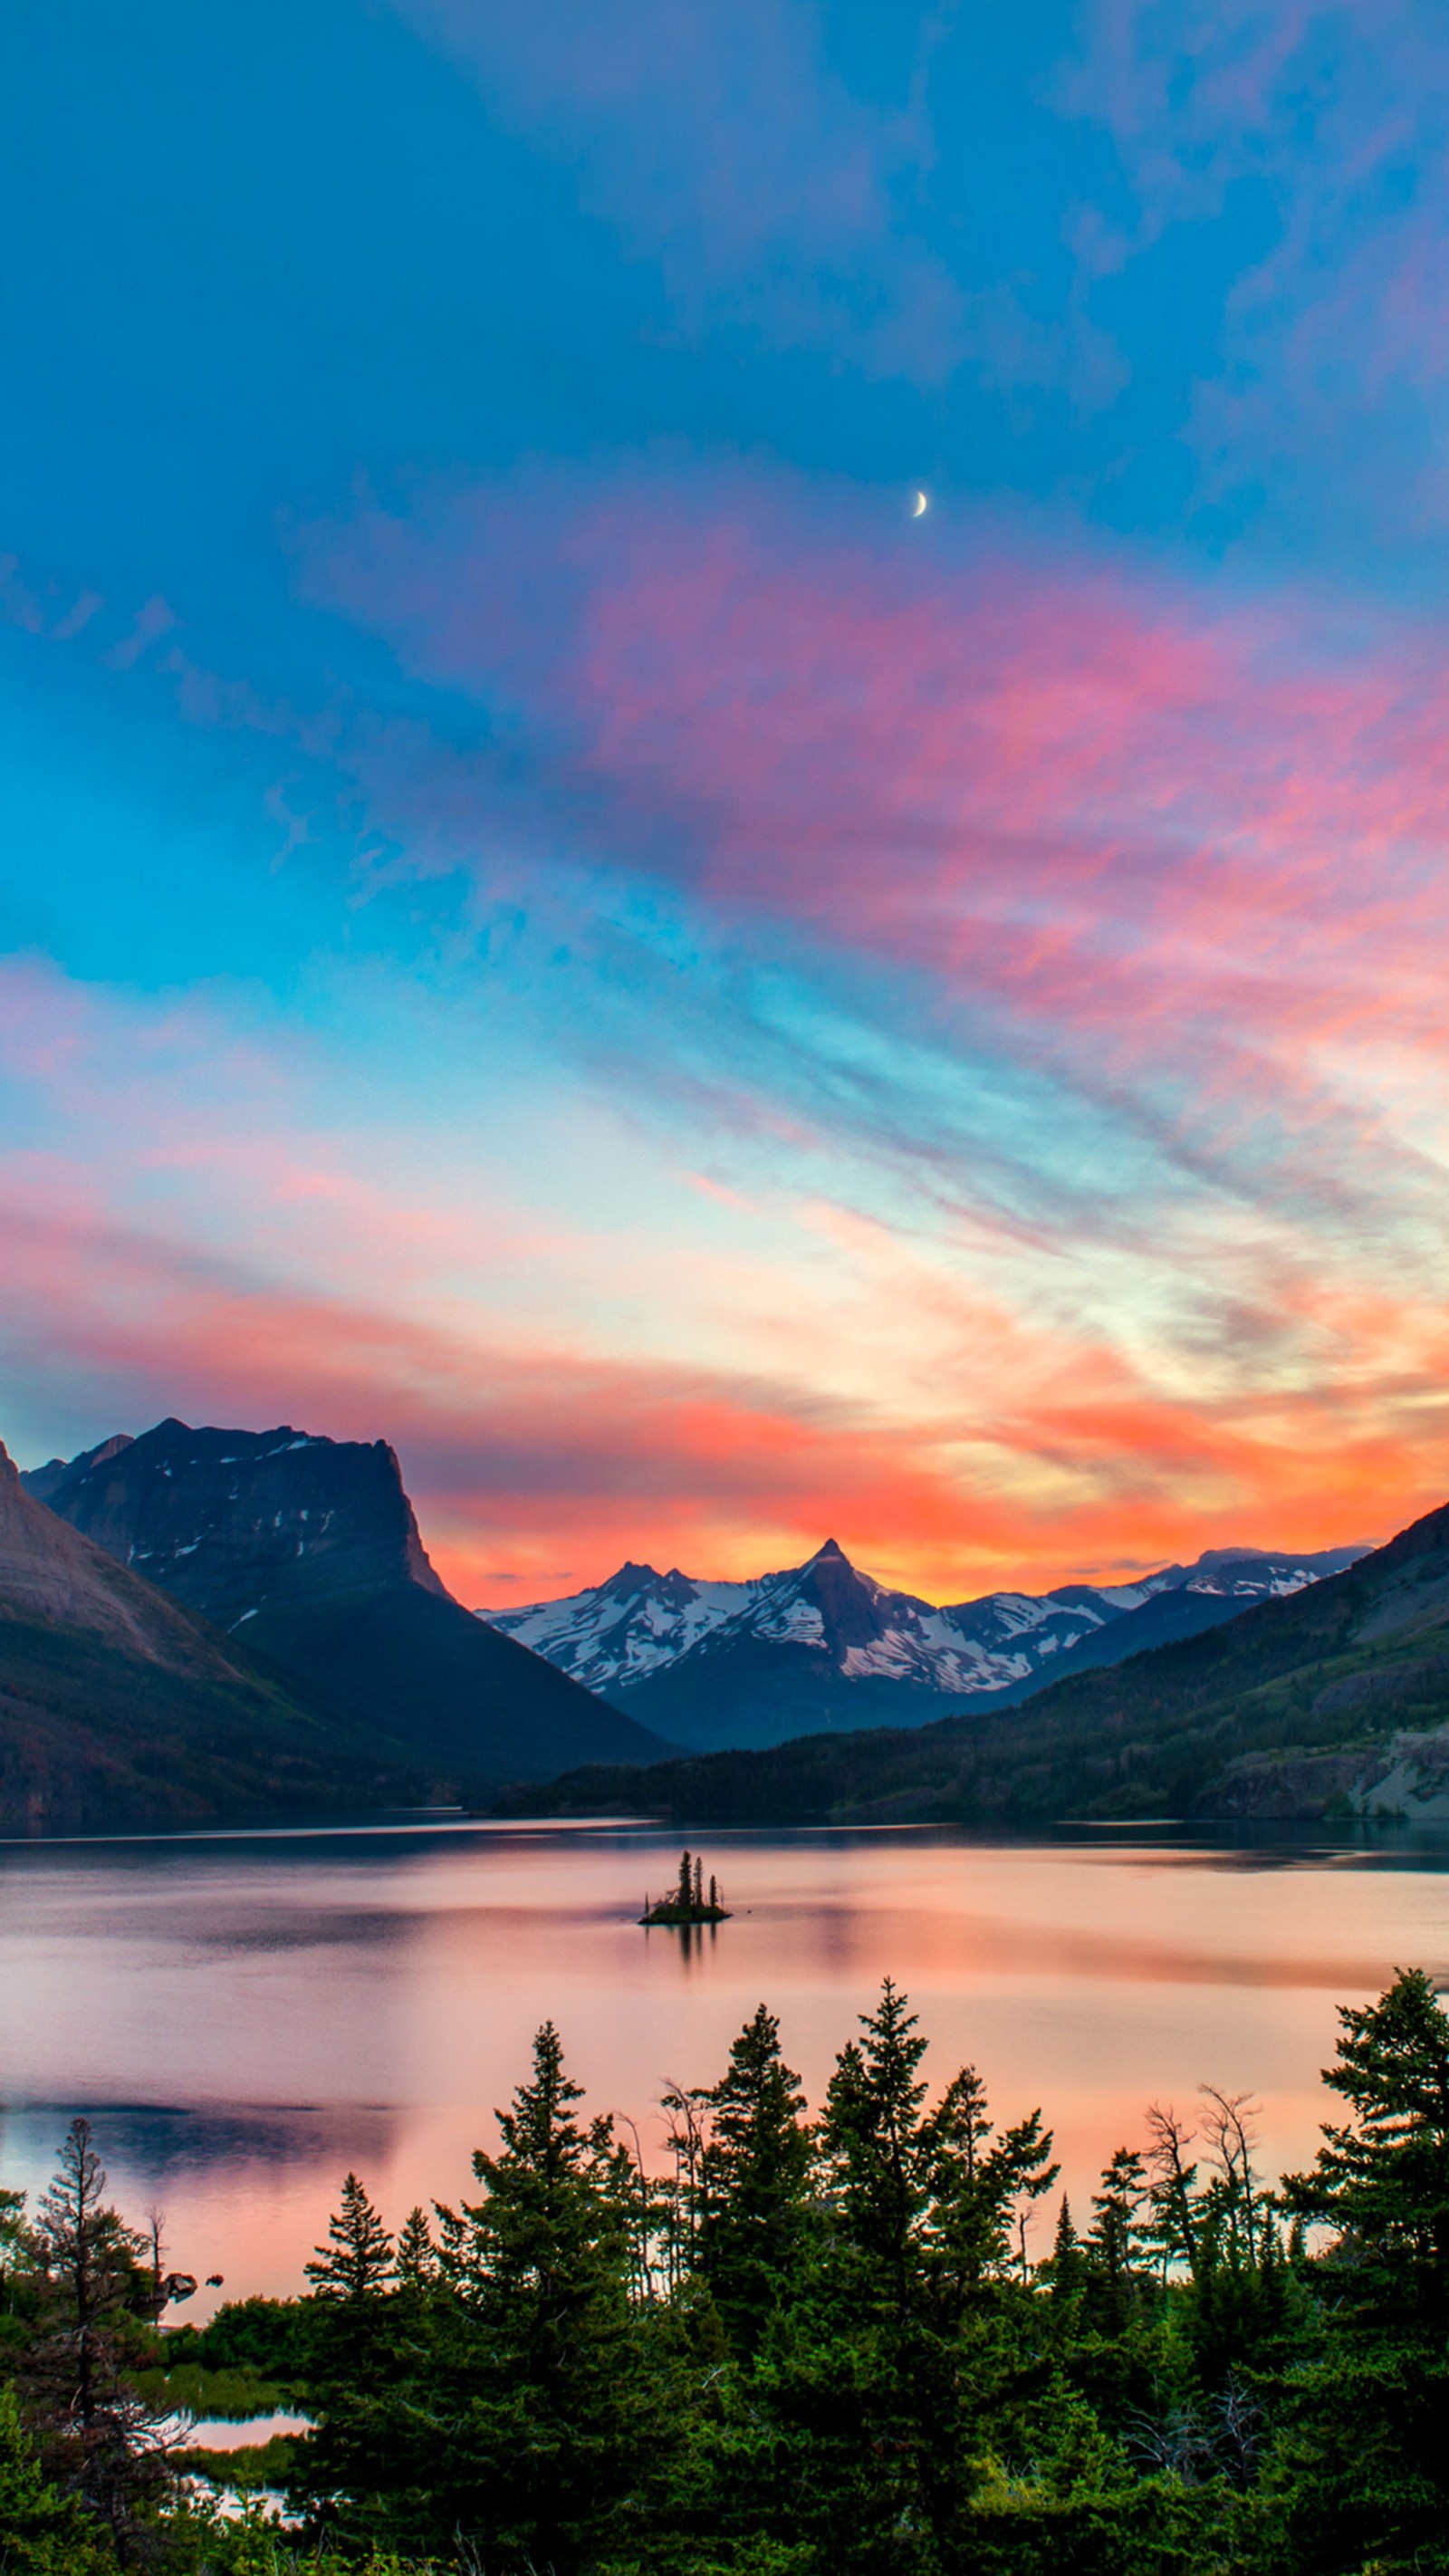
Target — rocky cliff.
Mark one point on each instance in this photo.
(307, 1550)
(118, 1707)
(228, 1521)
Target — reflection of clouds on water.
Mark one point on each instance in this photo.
(349, 1932)
(985, 1943)
(145, 2146)
(226, 2012)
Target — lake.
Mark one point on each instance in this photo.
(244, 2016)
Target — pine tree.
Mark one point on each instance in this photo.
(1115, 2239)
(754, 2180)
(871, 2138)
(1382, 2178)
(417, 2255)
(350, 2345)
(100, 2441)
(975, 2183)
(356, 2263)
(1066, 2266)
(1360, 2469)
(558, 2425)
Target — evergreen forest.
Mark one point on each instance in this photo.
(875, 2341)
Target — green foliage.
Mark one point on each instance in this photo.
(753, 2215)
(1382, 2177)
(814, 2349)
(42, 2533)
(262, 2336)
(355, 2265)
(1363, 2465)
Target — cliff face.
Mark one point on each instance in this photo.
(51, 1573)
(307, 1553)
(118, 1708)
(230, 1521)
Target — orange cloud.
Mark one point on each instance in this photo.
(529, 1460)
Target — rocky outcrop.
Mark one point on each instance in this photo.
(1405, 1781)
(117, 1707)
(306, 1550)
(44, 1483)
(227, 1521)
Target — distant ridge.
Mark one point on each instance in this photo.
(44, 1483)
(308, 1550)
(822, 1645)
(1332, 1701)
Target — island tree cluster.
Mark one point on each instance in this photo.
(876, 2340)
(690, 1900)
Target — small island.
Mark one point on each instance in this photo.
(687, 1901)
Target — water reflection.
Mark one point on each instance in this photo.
(245, 2017)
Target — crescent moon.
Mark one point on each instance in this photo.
(919, 506)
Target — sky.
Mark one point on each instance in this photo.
(547, 916)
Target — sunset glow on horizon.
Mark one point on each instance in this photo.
(550, 916)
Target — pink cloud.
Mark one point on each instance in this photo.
(1187, 840)
(1334, 343)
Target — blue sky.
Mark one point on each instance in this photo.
(546, 917)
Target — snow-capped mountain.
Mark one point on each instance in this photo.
(823, 1644)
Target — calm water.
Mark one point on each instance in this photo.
(243, 2017)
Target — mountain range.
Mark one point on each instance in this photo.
(1329, 1701)
(206, 1625)
(823, 1646)
(267, 1563)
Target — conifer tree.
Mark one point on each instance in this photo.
(101, 2443)
(417, 2255)
(556, 2397)
(1066, 2265)
(350, 2345)
(871, 2137)
(356, 2262)
(975, 2182)
(754, 2180)
(1360, 2470)
(1381, 2179)
(1114, 2243)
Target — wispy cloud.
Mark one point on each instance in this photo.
(1324, 412)
(246, 1267)
(725, 150)
(1185, 845)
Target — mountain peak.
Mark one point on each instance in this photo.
(832, 1548)
(630, 1579)
(225, 1520)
